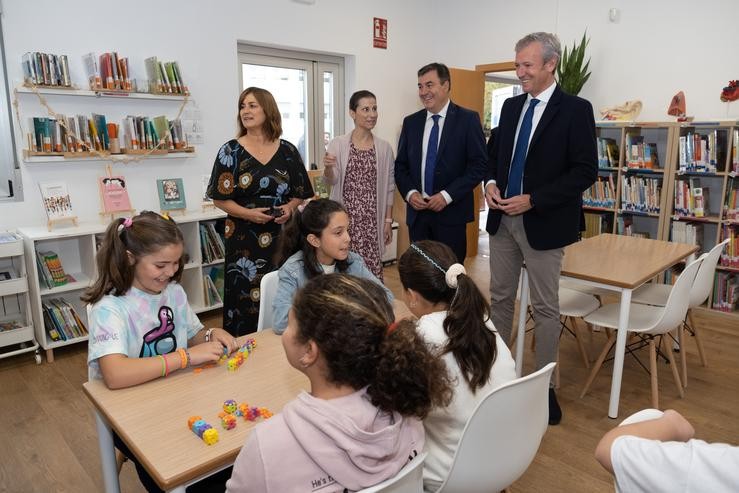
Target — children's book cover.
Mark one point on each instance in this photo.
(57, 202)
(171, 194)
(114, 194)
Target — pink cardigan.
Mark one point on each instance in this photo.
(339, 147)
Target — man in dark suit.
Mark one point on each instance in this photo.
(543, 158)
(441, 159)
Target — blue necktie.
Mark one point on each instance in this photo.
(428, 176)
(515, 175)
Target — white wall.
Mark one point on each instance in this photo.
(203, 37)
(657, 48)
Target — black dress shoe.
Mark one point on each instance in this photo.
(555, 412)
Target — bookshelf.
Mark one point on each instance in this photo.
(690, 193)
(76, 248)
(16, 329)
(114, 106)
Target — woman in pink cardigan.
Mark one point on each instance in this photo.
(360, 168)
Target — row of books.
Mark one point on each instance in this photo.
(69, 134)
(731, 207)
(730, 254)
(684, 232)
(61, 320)
(640, 194)
(690, 198)
(607, 153)
(602, 193)
(213, 285)
(702, 153)
(81, 134)
(46, 69)
(725, 291)
(50, 270)
(640, 154)
(211, 243)
(735, 152)
(596, 224)
(143, 132)
(109, 71)
(165, 77)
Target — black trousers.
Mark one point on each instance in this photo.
(427, 227)
(212, 484)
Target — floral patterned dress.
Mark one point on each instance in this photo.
(250, 247)
(360, 200)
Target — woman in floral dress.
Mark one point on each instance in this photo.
(359, 166)
(259, 180)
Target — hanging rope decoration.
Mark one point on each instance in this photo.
(125, 159)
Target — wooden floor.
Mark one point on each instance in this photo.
(48, 439)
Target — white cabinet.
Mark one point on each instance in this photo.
(76, 248)
(16, 329)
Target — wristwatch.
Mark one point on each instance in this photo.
(208, 333)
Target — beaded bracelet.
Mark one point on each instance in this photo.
(164, 365)
(187, 355)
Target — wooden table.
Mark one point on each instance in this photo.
(620, 264)
(152, 418)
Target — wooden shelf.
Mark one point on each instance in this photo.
(83, 93)
(113, 157)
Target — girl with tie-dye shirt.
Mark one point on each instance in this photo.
(141, 326)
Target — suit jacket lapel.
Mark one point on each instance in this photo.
(518, 107)
(451, 116)
(549, 112)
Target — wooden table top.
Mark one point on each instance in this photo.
(623, 261)
(152, 418)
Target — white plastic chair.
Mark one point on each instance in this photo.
(502, 436)
(657, 294)
(267, 291)
(649, 321)
(408, 480)
(576, 304)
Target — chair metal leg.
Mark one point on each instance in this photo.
(653, 373)
(698, 340)
(673, 366)
(556, 371)
(599, 363)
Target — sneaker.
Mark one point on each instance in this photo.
(555, 412)
(730, 92)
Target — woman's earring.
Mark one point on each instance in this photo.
(412, 304)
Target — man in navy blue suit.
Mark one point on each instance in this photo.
(441, 159)
(543, 157)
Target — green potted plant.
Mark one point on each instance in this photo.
(571, 73)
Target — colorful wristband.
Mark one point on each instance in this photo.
(183, 358)
(187, 355)
(164, 366)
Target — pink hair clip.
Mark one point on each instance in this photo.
(127, 223)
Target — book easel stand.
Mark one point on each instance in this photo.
(116, 214)
(169, 212)
(113, 214)
(51, 222)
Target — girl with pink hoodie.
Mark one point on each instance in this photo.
(372, 381)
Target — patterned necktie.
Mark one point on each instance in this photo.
(515, 175)
(428, 176)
